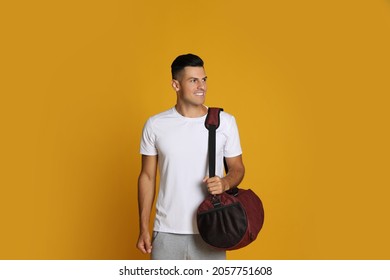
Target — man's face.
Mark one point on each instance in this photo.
(191, 86)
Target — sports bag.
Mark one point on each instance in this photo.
(233, 219)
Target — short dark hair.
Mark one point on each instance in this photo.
(183, 61)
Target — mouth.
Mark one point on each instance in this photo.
(201, 93)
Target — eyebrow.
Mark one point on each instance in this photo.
(204, 78)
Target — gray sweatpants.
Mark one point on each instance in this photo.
(169, 246)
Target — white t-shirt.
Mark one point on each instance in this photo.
(181, 144)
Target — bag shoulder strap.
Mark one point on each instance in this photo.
(212, 123)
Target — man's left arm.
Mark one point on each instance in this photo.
(233, 178)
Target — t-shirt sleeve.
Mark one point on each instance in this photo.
(233, 145)
(148, 140)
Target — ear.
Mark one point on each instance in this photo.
(175, 85)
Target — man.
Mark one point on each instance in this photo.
(176, 142)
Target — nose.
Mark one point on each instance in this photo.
(201, 84)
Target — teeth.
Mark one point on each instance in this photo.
(199, 94)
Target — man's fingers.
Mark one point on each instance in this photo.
(144, 244)
(141, 246)
(211, 180)
(148, 247)
(145, 248)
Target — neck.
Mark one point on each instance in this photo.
(191, 111)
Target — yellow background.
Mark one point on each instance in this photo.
(308, 82)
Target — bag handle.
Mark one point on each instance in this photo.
(212, 123)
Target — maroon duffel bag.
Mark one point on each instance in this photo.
(234, 218)
(230, 221)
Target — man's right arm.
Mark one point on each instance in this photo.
(146, 193)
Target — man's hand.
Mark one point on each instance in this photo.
(144, 243)
(233, 178)
(216, 185)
